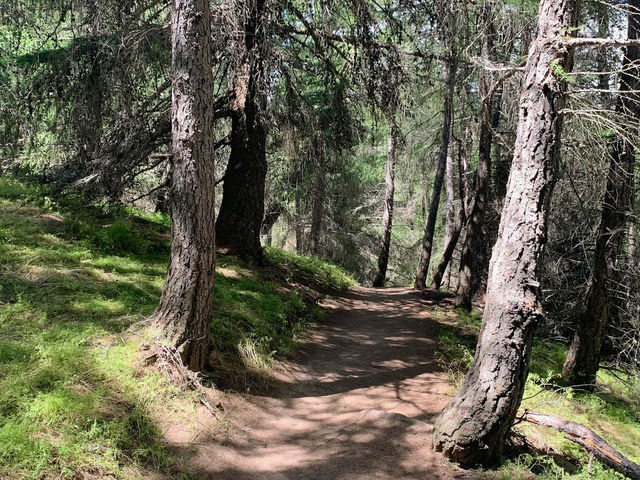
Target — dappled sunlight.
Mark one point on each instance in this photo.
(350, 404)
(65, 397)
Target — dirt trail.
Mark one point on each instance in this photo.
(357, 401)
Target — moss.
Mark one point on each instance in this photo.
(314, 270)
(613, 410)
(75, 285)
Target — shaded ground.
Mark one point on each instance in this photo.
(357, 401)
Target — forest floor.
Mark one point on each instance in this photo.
(357, 401)
(346, 391)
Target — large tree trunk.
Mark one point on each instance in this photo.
(583, 359)
(387, 215)
(472, 429)
(449, 70)
(184, 311)
(242, 208)
(474, 240)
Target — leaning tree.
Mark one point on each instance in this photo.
(472, 429)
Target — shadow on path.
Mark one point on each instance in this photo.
(357, 401)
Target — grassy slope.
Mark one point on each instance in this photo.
(74, 293)
(613, 412)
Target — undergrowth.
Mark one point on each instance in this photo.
(319, 273)
(76, 285)
(612, 411)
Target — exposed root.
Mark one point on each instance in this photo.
(169, 362)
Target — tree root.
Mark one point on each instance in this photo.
(169, 362)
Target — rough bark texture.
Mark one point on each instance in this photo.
(474, 240)
(387, 215)
(449, 70)
(472, 429)
(242, 208)
(583, 359)
(590, 440)
(184, 311)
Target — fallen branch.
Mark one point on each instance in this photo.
(588, 439)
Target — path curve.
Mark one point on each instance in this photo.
(356, 402)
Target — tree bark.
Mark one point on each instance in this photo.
(472, 428)
(387, 215)
(184, 312)
(449, 70)
(242, 208)
(474, 241)
(583, 359)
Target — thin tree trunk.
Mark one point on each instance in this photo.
(319, 197)
(449, 70)
(299, 214)
(473, 427)
(470, 260)
(581, 365)
(184, 311)
(443, 267)
(451, 214)
(242, 208)
(272, 214)
(387, 215)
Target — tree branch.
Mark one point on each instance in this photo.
(591, 441)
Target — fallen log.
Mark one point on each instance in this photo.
(588, 439)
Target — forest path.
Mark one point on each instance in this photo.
(357, 401)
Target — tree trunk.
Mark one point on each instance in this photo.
(319, 196)
(242, 208)
(387, 215)
(474, 241)
(440, 271)
(583, 359)
(299, 212)
(473, 427)
(451, 214)
(449, 70)
(184, 311)
(273, 211)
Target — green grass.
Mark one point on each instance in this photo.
(255, 320)
(613, 411)
(312, 270)
(76, 285)
(69, 401)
